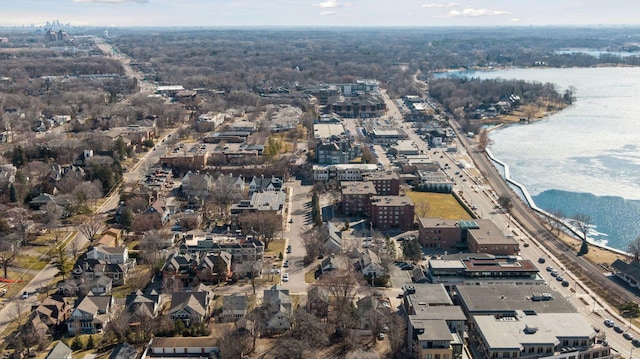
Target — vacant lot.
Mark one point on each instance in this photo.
(439, 205)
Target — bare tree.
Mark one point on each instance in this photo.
(634, 248)
(233, 345)
(342, 285)
(484, 141)
(582, 223)
(90, 228)
(9, 245)
(264, 226)
(555, 220)
(507, 204)
(74, 247)
(313, 240)
(423, 208)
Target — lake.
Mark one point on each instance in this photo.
(586, 158)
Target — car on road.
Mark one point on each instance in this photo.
(289, 249)
(541, 260)
(549, 269)
(25, 295)
(286, 264)
(565, 283)
(559, 278)
(618, 329)
(627, 336)
(609, 323)
(636, 342)
(285, 277)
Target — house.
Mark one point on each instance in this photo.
(52, 312)
(278, 306)
(372, 312)
(81, 286)
(234, 307)
(139, 304)
(259, 184)
(158, 213)
(370, 264)
(328, 264)
(178, 268)
(190, 306)
(124, 351)
(44, 199)
(214, 268)
(182, 347)
(318, 302)
(333, 238)
(197, 184)
(628, 272)
(91, 315)
(110, 237)
(60, 351)
(118, 255)
(90, 269)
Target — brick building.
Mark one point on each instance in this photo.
(392, 212)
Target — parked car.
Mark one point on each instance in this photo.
(618, 329)
(380, 336)
(285, 277)
(541, 260)
(289, 249)
(627, 336)
(565, 283)
(635, 342)
(286, 264)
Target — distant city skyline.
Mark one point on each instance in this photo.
(321, 12)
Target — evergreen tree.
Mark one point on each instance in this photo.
(90, 343)
(76, 344)
(13, 193)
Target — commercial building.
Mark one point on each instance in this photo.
(472, 269)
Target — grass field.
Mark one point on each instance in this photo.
(438, 205)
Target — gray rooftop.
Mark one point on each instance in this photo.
(432, 294)
(507, 298)
(540, 329)
(431, 330)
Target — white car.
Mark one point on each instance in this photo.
(285, 277)
(609, 323)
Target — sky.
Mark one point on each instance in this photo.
(378, 13)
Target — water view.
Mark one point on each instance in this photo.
(585, 159)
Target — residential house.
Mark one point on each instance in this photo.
(90, 269)
(332, 238)
(82, 286)
(628, 272)
(214, 268)
(91, 315)
(263, 202)
(234, 307)
(197, 184)
(278, 305)
(370, 264)
(318, 302)
(118, 255)
(52, 313)
(60, 351)
(179, 268)
(157, 213)
(142, 306)
(328, 264)
(110, 237)
(182, 347)
(7, 175)
(337, 150)
(259, 184)
(373, 312)
(190, 306)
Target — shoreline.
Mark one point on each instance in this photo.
(574, 235)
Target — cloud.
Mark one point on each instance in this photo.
(328, 13)
(328, 4)
(112, 1)
(438, 5)
(515, 20)
(471, 12)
